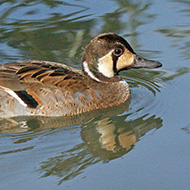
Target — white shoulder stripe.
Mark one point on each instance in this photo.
(12, 93)
(87, 70)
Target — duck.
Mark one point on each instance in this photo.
(44, 88)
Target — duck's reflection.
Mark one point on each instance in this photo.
(108, 139)
(106, 134)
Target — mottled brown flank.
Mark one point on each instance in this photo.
(58, 89)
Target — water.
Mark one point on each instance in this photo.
(142, 144)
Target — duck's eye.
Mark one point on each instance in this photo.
(118, 51)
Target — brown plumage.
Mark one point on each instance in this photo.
(52, 89)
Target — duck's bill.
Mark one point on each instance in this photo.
(141, 62)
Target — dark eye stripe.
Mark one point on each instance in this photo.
(114, 58)
(27, 98)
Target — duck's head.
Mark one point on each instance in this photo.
(108, 54)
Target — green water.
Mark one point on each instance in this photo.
(142, 144)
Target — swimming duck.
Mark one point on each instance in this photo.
(52, 89)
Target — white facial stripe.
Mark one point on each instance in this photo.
(87, 70)
(105, 65)
(12, 93)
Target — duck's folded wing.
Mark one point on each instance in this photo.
(37, 82)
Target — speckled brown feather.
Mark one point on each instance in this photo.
(57, 89)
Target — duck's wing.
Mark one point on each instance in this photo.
(26, 81)
(17, 76)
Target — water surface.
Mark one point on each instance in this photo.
(142, 144)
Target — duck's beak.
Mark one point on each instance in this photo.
(140, 62)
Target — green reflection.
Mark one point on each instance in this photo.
(185, 4)
(186, 129)
(62, 34)
(179, 34)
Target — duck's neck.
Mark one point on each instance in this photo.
(93, 73)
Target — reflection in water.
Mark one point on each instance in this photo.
(62, 28)
(48, 36)
(180, 33)
(108, 139)
(107, 134)
(186, 129)
(104, 139)
(184, 6)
